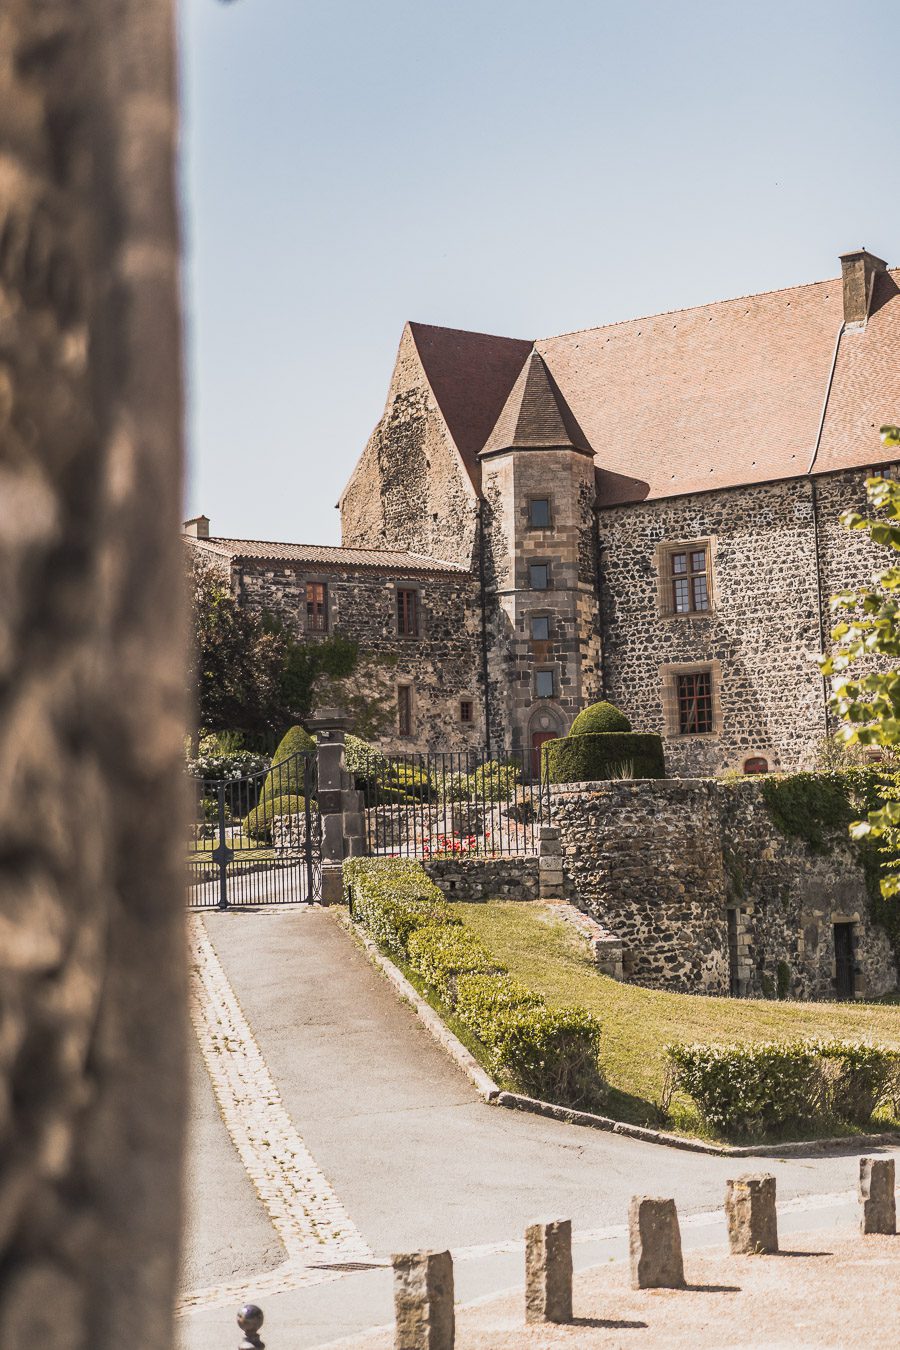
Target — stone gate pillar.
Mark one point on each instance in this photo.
(341, 819)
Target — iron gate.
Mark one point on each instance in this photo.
(446, 805)
(256, 840)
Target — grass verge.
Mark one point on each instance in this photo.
(550, 958)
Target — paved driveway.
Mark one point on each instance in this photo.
(379, 1144)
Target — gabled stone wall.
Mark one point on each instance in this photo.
(410, 489)
(661, 863)
(443, 664)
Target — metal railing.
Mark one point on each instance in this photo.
(451, 804)
(255, 839)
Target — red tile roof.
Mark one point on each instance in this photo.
(323, 555)
(712, 397)
(866, 389)
(471, 375)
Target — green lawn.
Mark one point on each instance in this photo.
(551, 958)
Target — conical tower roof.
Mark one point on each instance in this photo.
(536, 416)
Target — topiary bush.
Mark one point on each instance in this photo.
(258, 822)
(598, 718)
(599, 755)
(286, 776)
(494, 781)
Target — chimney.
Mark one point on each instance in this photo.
(858, 271)
(198, 528)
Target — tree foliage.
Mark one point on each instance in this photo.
(253, 675)
(868, 699)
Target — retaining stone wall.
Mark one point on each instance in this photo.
(476, 879)
(660, 864)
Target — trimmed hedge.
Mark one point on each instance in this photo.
(441, 952)
(392, 898)
(258, 823)
(598, 718)
(757, 1089)
(544, 1052)
(599, 755)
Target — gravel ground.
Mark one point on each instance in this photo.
(821, 1293)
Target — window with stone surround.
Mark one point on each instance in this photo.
(544, 684)
(685, 577)
(540, 628)
(404, 709)
(539, 576)
(539, 513)
(695, 710)
(407, 613)
(466, 711)
(316, 607)
(690, 696)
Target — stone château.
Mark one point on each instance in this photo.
(645, 512)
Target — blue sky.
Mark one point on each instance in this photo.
(502, 165)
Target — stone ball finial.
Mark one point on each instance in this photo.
(250, 1319)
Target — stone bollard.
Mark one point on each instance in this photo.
(751, 1214)
(654, 1241)
(876, 1195)
(548, 1272)
(423, 1301)
(250, 1319)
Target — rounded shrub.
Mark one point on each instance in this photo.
(285, 777)
(258, 822)
(611, 754)
(494, 780)
(411, 780)
(599, 718)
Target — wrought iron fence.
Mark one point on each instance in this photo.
(444, 805)
(256, 839)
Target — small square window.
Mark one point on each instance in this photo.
(539, 576)
(466, 710)
(539, 512)
(544, 684)
(540, 628)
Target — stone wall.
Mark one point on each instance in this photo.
(410, 489)
(763, 630)
(477, 879)
(660, 864)
(442, 664)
